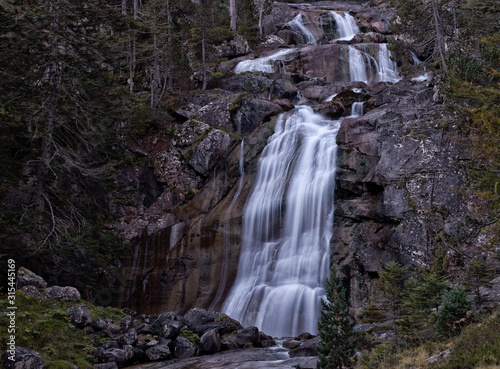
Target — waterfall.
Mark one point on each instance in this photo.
(227, 218)
(264, 64)
(297, 25)
(357, 68)
(363, 66)
(357, 109)
(346, 26)
(287, 226)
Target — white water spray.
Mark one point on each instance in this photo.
(264, 64)
(297, 25)
(287, 226)
(346, 26)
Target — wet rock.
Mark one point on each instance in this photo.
(162, 320)
(252, 112)
(243, 336)
(26, 277)
(304, 336)
(200, 320)
(21, 358)
(158, 352)
(183, 348)
(291, 344)
(113, 331)
(67, 293)
(80, 316)
(307, 348)
(106, 366)
(210, 342)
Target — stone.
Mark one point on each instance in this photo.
(106, 366)
(243, 336)
(171, 329)
(26, 277)
(23, 359)
(183, 348)
(158, 352)
(235, 47)
(113, 331)
(291, 344)
(127, 323)
(32, 291)
(210, 342)
(67, 293)
(113, 355)
(307, 348)
(128, 338)
(80, 316)
(99, 324)
(161, 320)
(134, 355)
(200, 320)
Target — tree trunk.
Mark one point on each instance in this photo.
(204, 85)
(155, 83)
(440, 43)
(232, 14)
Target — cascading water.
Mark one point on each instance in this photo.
(297, 25)
(363, 66)
(346, 26)
(287, 226)
(357, 109)
(264, 64)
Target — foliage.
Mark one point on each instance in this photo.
(423, 297)
(43, 325)
(452, 312)
(478, 275)
(392, 288)
(336, 330)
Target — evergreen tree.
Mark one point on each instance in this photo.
(454, 307)
(338, 338)
(478, 275)
(392, 288)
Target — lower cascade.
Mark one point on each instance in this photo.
(287, 226)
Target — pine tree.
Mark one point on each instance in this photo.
(392, 288)
(338, 338)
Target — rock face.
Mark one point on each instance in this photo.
(398, 178)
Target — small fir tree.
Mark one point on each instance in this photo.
(392, 287)
(336, 331)
(453, 312)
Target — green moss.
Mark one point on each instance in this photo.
(43, 326)
(191, 336)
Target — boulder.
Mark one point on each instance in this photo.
(128, 338)
(200, 320)
(80, 316)
(99, 324)
(158, 352)
(291, 344)
(113, 331)
(183, 348)
(21, 358)
(233, 48)
(253, 112)
(113, 355)
(127, 323)
(210, 342)
(26, 277)
(162, 319)
(134, 355)
(106, 366)
(172, 329)
(67, 293)
(307, 348)
(32, 291)
(242, 337)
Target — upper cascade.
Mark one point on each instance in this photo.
(264, 64)
(346, 27)
(297, 25)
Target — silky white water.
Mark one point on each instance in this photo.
(264, 64)
(287, 226)
(357, 109)
(363, 66)
(297, 25)
(346, 26)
